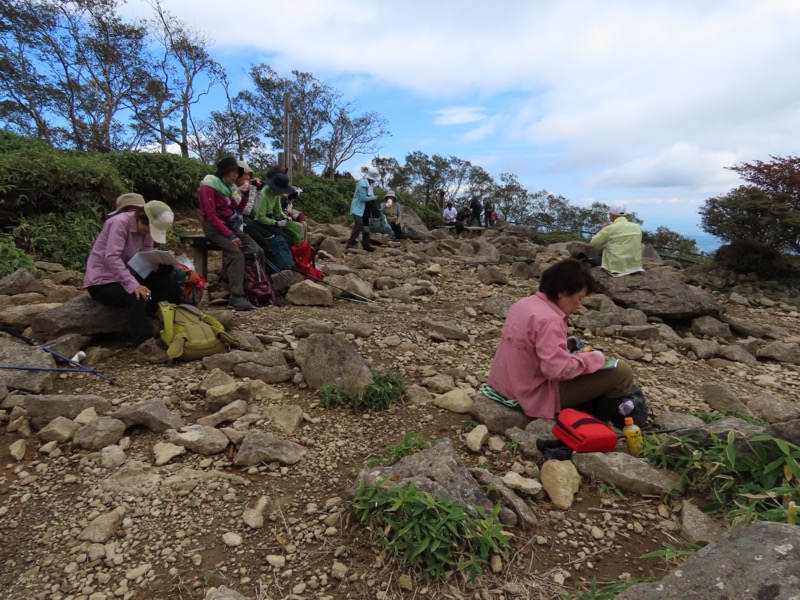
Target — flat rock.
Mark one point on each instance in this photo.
(152, 414)
(16, 353)
(698, 527)
(103, 527)
(81, 315)
(163, 452)
(458, 400)
(309, 326)
(199, 438)
(327, 358)
(446, 329)
(773, 409)
(310, 293)
(495, 416)
(99, 433)
(721, 398)
(44, 408)
(259, 448)
(21, 281)
(759, 561)
(628, 473)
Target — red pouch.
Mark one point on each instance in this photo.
(581, 432)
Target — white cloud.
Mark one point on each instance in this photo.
(458, 115)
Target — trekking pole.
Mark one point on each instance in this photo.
(358, 297)
(78, 366)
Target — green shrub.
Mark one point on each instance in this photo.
(753, 479)
(11, 257)
(324, 200)
(36, 179)
(63, 238)
(607, 591)
(383, 390)
(167, 177)
(430, 534)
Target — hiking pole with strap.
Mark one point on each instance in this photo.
(13, 332)
(358, 297)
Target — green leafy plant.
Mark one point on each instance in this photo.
(62, 238)
(609, 489)
(11, 257)
(413, 442)
(513, 446)
(708, 417)
(383, 390)
(672, 552)
(607, 591)
(211, 577)
(746, 479)
(430, 534)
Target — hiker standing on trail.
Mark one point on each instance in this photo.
(110, 281)
(476, 210)
(361, 208)
(391, 210)
(532, 365)
(488, 209)
(620, 243)
(221, 208)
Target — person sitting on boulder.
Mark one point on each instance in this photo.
(391, 210)
(620, 243)
(110, 281)
(449, 214)
(533, 366)
(221, 208)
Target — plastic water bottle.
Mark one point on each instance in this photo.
(627, 407)
(633, 435)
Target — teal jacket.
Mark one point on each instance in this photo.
(360, 198)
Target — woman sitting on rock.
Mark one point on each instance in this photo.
(533, 366)
(110, 281)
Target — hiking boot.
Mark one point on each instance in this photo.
(151, 352)
(240, 303)
(350, 245)
(368, 248)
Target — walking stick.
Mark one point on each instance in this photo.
(78, 367)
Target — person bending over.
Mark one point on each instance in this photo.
(532, 364)
(620, 243)
(110, 281)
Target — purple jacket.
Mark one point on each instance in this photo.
(532, 357)
(114, 247)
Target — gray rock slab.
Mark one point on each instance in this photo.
(99, 433)
(495, 416)
(773, 409)
(721, 398)
(81, 315)
(711, 327)
(756, 562)
(310, 293)
(628, 473)
(309, 326)
(201, 439)
(44, 408)
(16, 353)
(698, 527)
(21, 281)
(658, 294)
(152, 414)
(327, 358)
(260, 448)
(789, 431)
(782, 352)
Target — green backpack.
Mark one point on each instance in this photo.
(191, 334)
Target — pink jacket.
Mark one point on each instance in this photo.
(215, 208)
(114, 247)
(532, 358)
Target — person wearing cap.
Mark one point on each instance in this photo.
(361, 208)
(620, 243)
(110, 281)
(221, 207)
(249, 187)
(391, 210)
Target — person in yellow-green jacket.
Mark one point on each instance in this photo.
(270, 218)
(620, 242)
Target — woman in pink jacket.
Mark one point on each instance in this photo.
(532, 364)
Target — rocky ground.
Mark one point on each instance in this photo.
(140, 519)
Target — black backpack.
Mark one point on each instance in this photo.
(608, 409)
(277, 255)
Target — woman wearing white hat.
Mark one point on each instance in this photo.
(110, 281)
(361, 207)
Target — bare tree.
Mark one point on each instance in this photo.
(350, 135)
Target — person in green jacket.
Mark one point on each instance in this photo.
(620, 242)
(269, 216)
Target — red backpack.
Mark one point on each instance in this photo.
(304, 263)
(257, 286)
(193, 287)
(582, 432)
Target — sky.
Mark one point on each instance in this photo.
(640, 103)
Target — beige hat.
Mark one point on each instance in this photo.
(160, 216)
(244, 166)
(126, 201)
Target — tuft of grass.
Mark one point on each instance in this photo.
(607, 591)
(413, 442)
(428, 533)
(384, 389)
(708, 417)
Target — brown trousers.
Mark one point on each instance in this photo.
(613, 383)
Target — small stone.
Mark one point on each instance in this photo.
(232, 539)
(18, 449)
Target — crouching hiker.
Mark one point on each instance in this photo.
(221, 206)
(110, 281)
(533, 365)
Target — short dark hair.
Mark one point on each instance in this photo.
(566, 277)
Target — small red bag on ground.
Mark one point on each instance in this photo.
(582, 432)
(304, 263)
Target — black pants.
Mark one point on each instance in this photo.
(398, 230)
(258, 231)
(476, 216)
(359, 222)
(161, 285)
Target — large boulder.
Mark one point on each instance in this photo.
(757, 561)
(20, 281)
(43, 409)
(81, 315)
(16, 353)
(326, 358)
(657, 294)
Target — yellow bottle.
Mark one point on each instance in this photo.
(633, 435)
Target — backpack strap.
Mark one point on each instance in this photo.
(174, 343)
